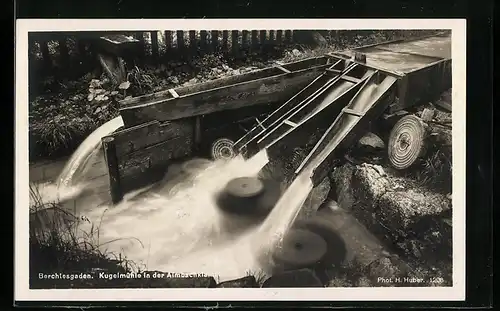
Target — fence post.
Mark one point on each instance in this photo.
(244, 40)
(215, 40)
(272, 36)
(279, 37)
(154, 44)
(203, 41)
(64, 53)
(255, 40)
(262, 38)
(288, 36)
(192, 42)
(234, 42)
(225, 35)
(109, 147)
(140, 36)
(180, 43)
(47, 60)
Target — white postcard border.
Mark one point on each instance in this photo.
(21, 270)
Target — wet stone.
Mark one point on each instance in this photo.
(244, 282)
(370, 140)
(293, 278)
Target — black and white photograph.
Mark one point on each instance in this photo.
(313, 155)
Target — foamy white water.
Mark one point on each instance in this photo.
(176, 226)
(84, 152)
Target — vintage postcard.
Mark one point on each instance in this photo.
(265, 159)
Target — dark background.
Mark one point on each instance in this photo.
(479, 16)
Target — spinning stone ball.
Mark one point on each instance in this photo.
(299, 248)
(241, 196)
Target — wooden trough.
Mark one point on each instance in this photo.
(350, 89)
(174, 124)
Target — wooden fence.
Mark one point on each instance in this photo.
(65, 50)
(69, 54)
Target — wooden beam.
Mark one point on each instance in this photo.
(108, 144)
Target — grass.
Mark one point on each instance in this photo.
(68, 111)
(434, 171)
(58, 245)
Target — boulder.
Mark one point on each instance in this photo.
(244, 282)
(388, 271)
(293, 278)
(184, 282)
(371, 141)
(315, 199)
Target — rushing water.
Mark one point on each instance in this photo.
(175, 226)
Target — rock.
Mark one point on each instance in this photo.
(174, 80)
(383, 271)
(369, 179)
(400, 210)
(294, 278)
(183, 282)
(330, 205)
(427, 114)
(341, 178)
(371, 140)
(316, 197)
(364, 282)
(339, 282)
(244, 282)
(296, 53)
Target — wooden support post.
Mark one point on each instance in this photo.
(154, 44)
(203, 42)
(214, 40)
(244, 40)
(263, 37)
(197, 131)
(288, 36)
(235, 47)
(225, 35)
(109, 147)
(193, 43)
(255, 39)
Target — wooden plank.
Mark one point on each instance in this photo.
(334, 72)
(350, 79)
(138, 137)
(244, 39)
(263, 91)
(288, 36)
(173, 93)
(283, 69)
(255, 39)
(154, 44)
(263, 37)
(272, 36)
(203, 41)
(352, 112)
(225, 36)
(110, 155)
(235, 46)
(202, 87)
(214, 37)
(279, 37)
(180, 40)
(192, 41)
(168, 39)
(149, 165)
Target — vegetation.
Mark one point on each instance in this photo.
(57, 245)
(63, 111)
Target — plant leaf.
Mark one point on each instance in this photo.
(124, 85)
(90, 97)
